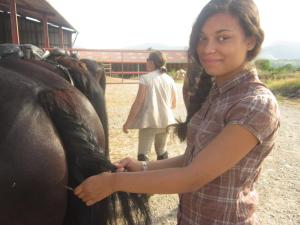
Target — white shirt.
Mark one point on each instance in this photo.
(156, 111)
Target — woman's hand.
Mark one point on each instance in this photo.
(125, 128)
(95, 188)
(128, 164)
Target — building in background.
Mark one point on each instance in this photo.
(127, 63)
(34, 22)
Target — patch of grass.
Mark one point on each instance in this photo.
(289, 87)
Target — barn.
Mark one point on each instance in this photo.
(34, 22)
(127, 63)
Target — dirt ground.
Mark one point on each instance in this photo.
(278, 186)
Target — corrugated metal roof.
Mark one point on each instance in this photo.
(130, 56)
(37, 9)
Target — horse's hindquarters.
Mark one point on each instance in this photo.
(33, 171)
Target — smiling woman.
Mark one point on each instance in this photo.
(228, 136)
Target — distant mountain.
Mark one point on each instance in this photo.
(154, 46)
(281, 50)
(283, 62)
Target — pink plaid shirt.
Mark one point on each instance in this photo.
(231, 198)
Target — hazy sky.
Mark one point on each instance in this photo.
(123, 23)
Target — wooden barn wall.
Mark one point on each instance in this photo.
(5, 31)
(67, 39)
(54, 37)
(31, 32)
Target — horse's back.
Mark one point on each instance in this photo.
(46, 79)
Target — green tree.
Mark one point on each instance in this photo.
(263, 64)
(288, 68)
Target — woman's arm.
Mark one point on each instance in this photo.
(228, 148)
(133, 165)
(136, 106)
(174, 99)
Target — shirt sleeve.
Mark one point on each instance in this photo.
(259, 114)
(142, 80)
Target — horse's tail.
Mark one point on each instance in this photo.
(84, 159)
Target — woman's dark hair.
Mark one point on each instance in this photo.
(244, 10)
(247, 14)
(199, 85)
(159, 60)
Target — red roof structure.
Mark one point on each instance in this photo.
(129, 56)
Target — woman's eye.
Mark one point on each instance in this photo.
(201, 39)
(222, 38)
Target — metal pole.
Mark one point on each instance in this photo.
(74, 39)
(61, 37)
(122, 66)
(46, 32)
(14, 22)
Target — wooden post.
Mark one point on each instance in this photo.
(46, 32)
(122, 66)
(61, 37)
(14, 22)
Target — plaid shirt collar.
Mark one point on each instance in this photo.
(240, 77)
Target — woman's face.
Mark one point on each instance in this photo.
(222, 46)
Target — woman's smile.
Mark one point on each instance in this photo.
(210, 61)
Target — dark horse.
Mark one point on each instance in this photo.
(86, 75)
(50, 138)
(77, 73)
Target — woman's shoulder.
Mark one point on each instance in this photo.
(168, 77)
(250, 88)
(257, 95)
(146, 77)
(257, 110)
(252, 96)
(258, 91)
